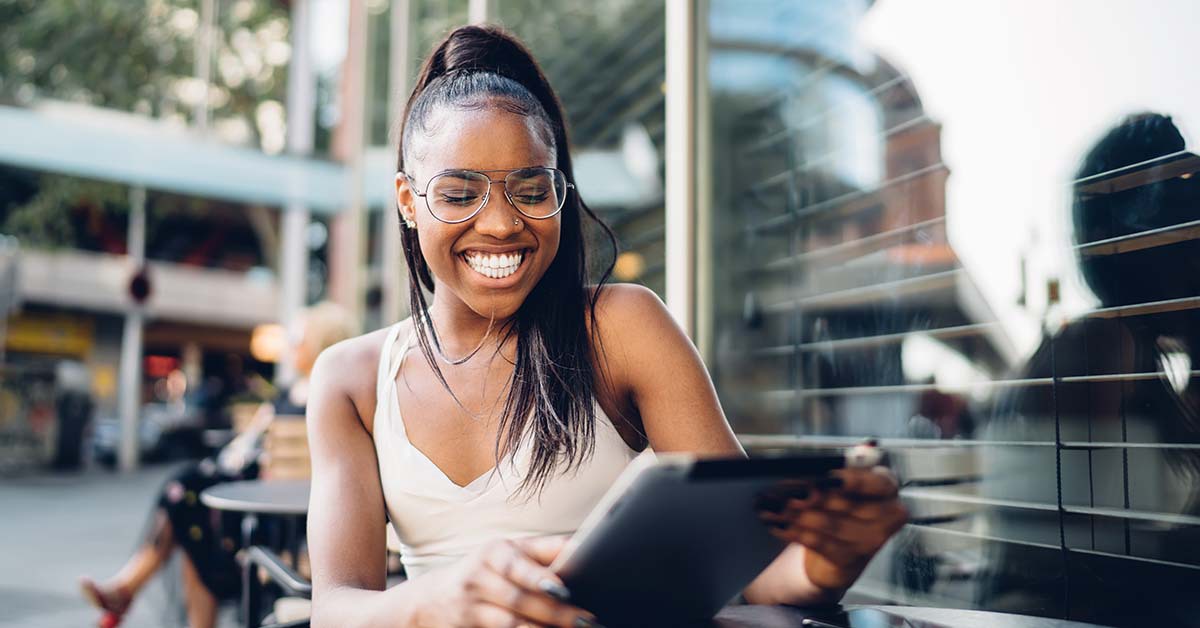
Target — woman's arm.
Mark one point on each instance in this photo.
(654, 365)
(346, 537)
(654, 368)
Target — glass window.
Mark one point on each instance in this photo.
(978, 243)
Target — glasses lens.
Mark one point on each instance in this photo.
(454, 196)
(537, 192)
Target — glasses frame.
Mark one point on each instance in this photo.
(488, 194)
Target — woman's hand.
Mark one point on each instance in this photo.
(841, 521)
(504, 585)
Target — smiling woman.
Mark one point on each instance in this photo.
(535, 391)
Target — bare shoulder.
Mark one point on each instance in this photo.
(631, 323)
(348, 369)
(625, 308)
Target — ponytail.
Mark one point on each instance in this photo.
(551, 393)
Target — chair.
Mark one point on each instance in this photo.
(285, 449)
(293, 585)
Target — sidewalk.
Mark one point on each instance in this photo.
(56, 527)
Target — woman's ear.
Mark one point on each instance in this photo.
(406, 199)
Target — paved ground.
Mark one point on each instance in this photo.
(56, 527)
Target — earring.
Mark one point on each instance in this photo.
(408, 222)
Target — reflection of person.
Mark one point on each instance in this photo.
(180, 520)
(530, 391)
(1152, 397)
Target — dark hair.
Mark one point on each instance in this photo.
(551, 392)
(1120, 278)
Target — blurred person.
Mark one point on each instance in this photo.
(74, 406)
(530, 390)
(1159, 402)
(210, 572)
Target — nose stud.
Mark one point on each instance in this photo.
(516, 222)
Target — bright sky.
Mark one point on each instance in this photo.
(1022, 89)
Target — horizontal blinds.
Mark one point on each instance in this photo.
(769, 442)
(971, 386)
(846, 274)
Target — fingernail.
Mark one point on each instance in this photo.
(584, 622)
(831, 482)
(554, 589)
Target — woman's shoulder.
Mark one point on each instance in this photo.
(629, 316)
(350, 368)
(622, 302)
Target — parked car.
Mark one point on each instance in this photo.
(166, 431)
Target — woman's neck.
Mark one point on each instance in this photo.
(460, 329)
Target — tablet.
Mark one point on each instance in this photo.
(677, 537)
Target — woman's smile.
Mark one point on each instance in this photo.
(496, 269)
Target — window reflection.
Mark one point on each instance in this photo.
(967, 252)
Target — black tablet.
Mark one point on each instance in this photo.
(677, 537)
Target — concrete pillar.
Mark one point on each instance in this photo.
(683, 22)
(347, 233)
(293, 241)
(477, 11)
(203, 51)
(393, 272)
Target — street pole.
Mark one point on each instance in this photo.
(129, 394)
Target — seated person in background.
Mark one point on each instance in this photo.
(180, 520)
(530, 391)
(1151, 351)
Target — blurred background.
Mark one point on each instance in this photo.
(969, 230)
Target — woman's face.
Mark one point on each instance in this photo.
(483, 140)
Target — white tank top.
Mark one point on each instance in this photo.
(439, 522)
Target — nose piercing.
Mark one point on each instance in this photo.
(516, 221)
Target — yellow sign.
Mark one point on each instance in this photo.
(56, 333)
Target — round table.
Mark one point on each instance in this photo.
(264, 497)
(288, 498)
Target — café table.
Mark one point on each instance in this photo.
(861, 616)
(252, 498)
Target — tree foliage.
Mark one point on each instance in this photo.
(136, 56)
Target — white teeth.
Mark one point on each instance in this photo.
(494, 266)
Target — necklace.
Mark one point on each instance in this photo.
(437, 345)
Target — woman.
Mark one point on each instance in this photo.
(531, 390)
(179, 519)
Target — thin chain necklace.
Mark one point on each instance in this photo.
(437, 345)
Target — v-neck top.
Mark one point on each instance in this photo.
(439, 522)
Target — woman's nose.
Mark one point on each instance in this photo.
(499, 217)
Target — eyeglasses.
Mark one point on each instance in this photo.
(455, 196)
